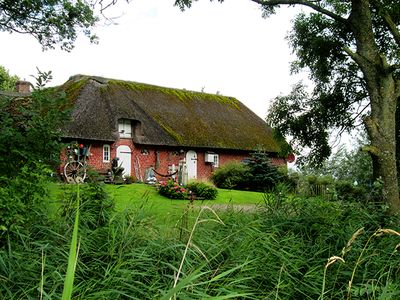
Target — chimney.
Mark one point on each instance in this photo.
(23, 86)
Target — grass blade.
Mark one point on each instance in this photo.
(73, 255)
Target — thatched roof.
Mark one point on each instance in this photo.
(167, 116)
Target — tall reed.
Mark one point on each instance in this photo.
(73, 253)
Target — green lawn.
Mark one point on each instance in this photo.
(133, 194)
(167, 211)
(161, 210)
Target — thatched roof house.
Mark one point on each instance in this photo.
(163, 116)
(149, 127)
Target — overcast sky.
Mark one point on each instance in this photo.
(227, 48)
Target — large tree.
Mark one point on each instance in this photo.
(51, 22)
(352, 50)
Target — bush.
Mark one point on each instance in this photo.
(172, 190)
(128, 179)
(346, 190)
(264, 175)
(202, 190)
(232, 175)
(258, 174)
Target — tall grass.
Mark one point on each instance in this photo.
(73, 254)
(363, 290)
(278, 251)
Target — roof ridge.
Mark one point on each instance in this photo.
(106, 80)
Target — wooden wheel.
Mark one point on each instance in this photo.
(75, 171)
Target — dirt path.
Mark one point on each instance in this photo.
(244, 208)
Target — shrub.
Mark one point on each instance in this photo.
(346, 190)
(293, 181)
(202, 190)
(171, 189)
(257, 174)
(93, 175)
(264, 175)
(231, 175)
(128, 179)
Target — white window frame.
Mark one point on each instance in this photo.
(106, 153)
(216, 161)
(125, 128)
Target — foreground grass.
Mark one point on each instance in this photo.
(279, 252)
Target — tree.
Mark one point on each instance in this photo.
(353, 165)
(51, 22)
(29, 128)
(7, 81)
(352, 50)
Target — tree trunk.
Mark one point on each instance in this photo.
(383, 93)
(382, 138)
(398, 136)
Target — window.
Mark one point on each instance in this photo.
(125, 128)
(216, 160)
(106, 153)
(212, 158)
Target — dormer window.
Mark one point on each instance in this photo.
(125, 128)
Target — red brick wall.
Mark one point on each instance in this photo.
(159, 158)
(156, 158)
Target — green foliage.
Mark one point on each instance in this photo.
(315, 222)
(291, 115)
(20, 197)
(183, 4)
(257, 174)
(278, 251)
(202, 190)
(347, 191)
(96, 206)
(232, 175)
(351, 51)
(351, 165)
(128, 179)
(340, 95)
(73, 253)
(29, 130)
(348, 172)
(29, 138)
(51, 22)
(315, 185)
(7, 81)
(172, 190)
(264, 175)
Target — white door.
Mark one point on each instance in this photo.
(191, 162)
(124, 154)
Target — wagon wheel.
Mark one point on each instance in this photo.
(74, 171)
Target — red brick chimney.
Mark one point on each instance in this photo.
(23, 86)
